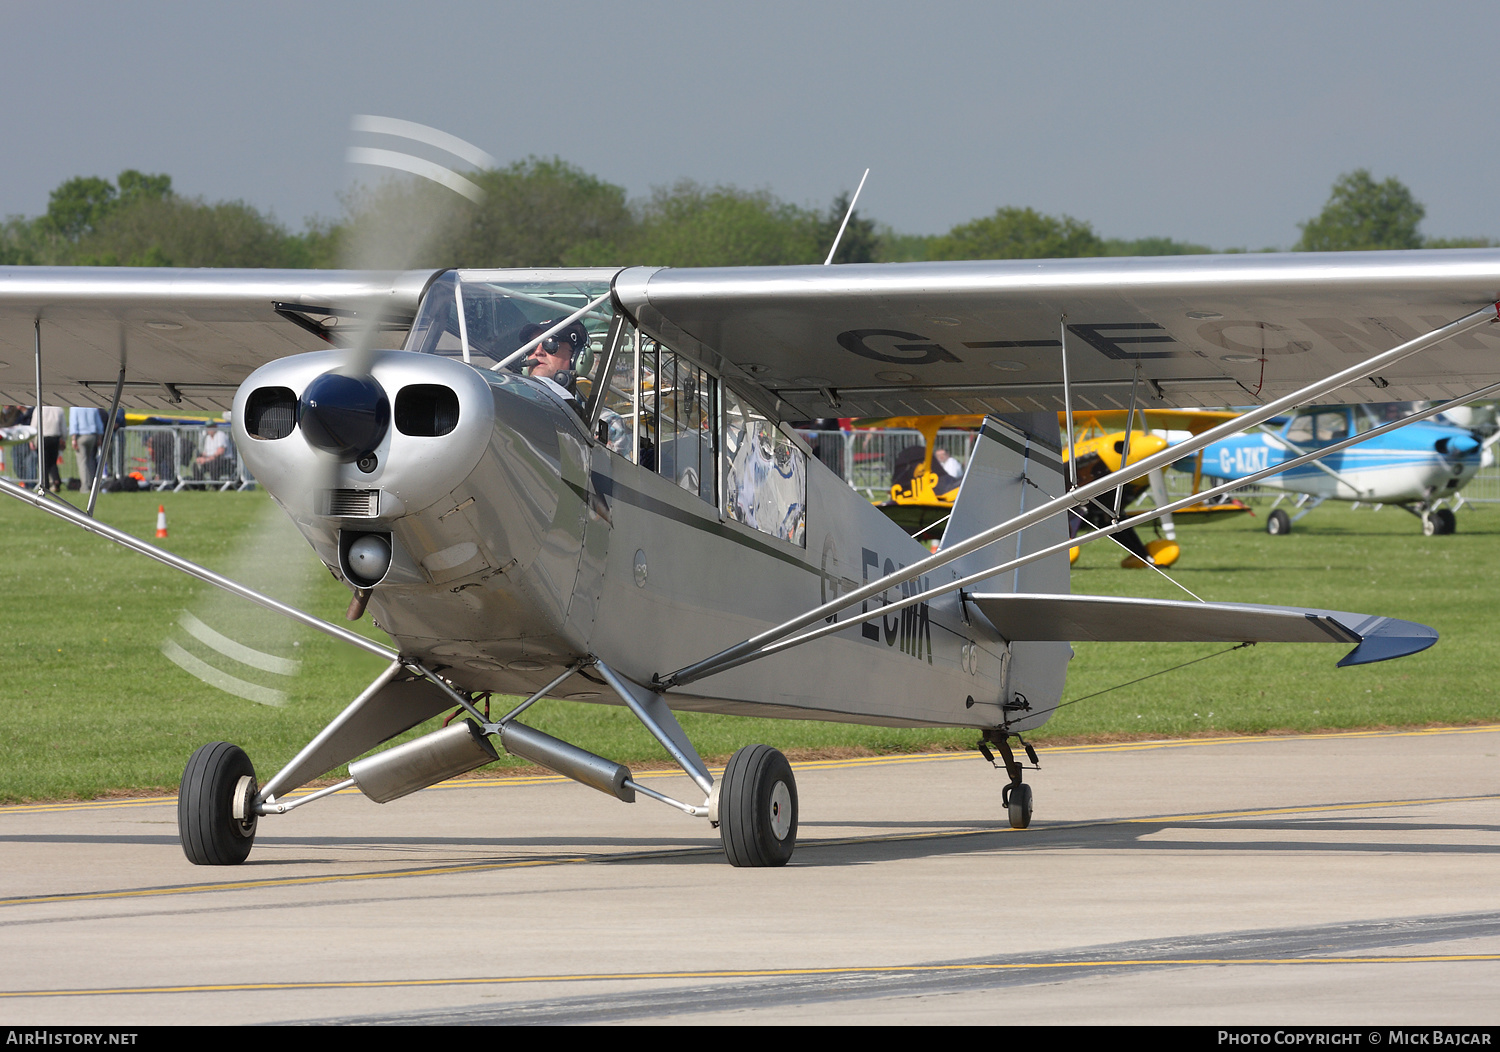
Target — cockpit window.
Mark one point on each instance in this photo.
(1366, 418)
(1386, 412)
(1326, 425)
(501, 310)
(765, 475)
(1333, 425)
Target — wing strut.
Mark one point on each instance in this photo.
(1062, 331)
(39, 412)
(730, 657)
(1324, 468)
(1135, 382)
(778, 642)
(108, 436)
(67, 512)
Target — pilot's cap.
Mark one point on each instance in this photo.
(573, 336)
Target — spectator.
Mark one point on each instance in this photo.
(15, 421)
(951, 465)
(214, 460)
(161, 451)
(85, 432)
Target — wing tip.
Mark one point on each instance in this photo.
(1391, 638)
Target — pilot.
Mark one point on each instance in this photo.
(551, 360)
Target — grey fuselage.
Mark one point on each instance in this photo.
(520, 543)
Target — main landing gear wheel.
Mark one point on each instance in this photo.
(1017, 800)
(1278, 523)
(214, 816)
(1440, 522)
(758, 808)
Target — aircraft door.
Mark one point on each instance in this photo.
(584, 467)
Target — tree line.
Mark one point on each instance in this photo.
(547, 212)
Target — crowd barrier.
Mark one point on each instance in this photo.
(867, 459)
(158, 458)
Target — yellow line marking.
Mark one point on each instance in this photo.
(1307, 809)
(286, 882)
(754, 973)
(817, 765)
(1260, 739)
(639, 856)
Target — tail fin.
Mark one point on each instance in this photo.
(1016, 465)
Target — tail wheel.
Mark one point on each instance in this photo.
(758, 808)
(1278, 523)
(1017, 800)
(215, 816)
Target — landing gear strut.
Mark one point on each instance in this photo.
(1016, 796)
(754, 804)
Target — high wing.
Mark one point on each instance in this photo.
(917, 339)
(187, 337)
(863, 340)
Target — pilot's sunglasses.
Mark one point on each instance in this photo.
(553, 345)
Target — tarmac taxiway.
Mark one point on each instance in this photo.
(1338, 878)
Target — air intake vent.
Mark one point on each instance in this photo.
(271, 412)
(354, 503)
(426, 410)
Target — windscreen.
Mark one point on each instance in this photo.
(501, 310)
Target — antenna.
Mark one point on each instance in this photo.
(840, 235)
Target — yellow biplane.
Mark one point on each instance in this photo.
(924, 486)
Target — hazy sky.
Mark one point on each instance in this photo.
(1219, 123)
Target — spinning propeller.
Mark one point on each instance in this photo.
(343, 415)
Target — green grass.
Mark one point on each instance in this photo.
(1336, 558)
(88, 703)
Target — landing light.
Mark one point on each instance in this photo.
(369, 559)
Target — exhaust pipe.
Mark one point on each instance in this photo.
(567, 760)
(432, 758)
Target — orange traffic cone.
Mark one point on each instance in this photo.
(161, 520)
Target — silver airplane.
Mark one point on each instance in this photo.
(647, 528)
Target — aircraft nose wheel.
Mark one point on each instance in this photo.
(1278, 523)
(215, 818)
(758, 808)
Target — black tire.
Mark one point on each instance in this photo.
(1020, 806)
(1445, 520)
(211, 835)
(758, 808)
(1278, 523)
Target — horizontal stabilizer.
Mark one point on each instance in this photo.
(1109, 619)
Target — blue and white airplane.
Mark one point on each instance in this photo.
(1413, 467)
